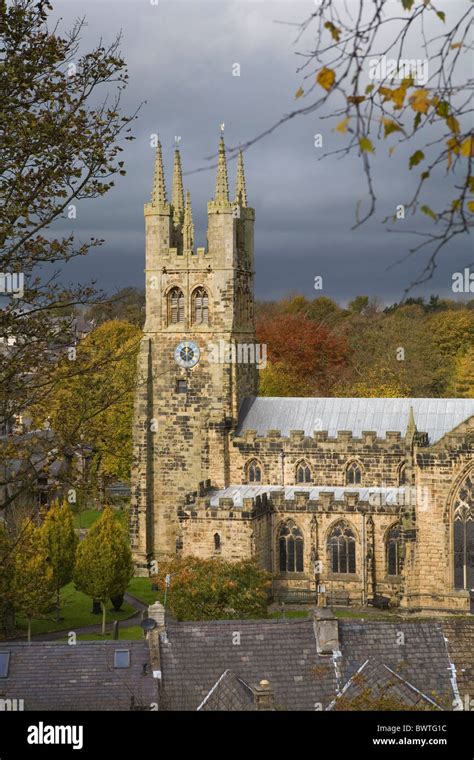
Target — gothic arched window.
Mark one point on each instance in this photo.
(200, 306)
(290, 548)
(254, 472)
(353, 474)
(303, 472)
(341, 548)
(393, 547)
(175, 306)
(463, 517)
(217, 542)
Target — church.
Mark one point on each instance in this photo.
(354, 499)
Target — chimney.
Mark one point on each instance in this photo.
(156, 611)
(263, 696)
(325, 630)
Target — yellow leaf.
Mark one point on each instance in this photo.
(419, 101)
(335, 32)
(456, 45)
(356, 99)
(470, 206)
(467, 147)
(453, 124)
(342, 126)
(299, 93)
(390, 126)
(366, 145)
(326, 78)
(398, 96)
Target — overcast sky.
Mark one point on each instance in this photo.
(180, 56)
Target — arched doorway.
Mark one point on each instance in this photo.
(463, 519)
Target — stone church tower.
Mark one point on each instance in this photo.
(199, 303)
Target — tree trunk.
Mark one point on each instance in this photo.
(29, 630)
(103, 618)
(58, 604)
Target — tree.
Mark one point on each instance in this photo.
(59, 541)
(212, 589)
(61, 144)
(128, 305)
(33, 578)
(6, 582)
(462, 382)
(304, 358)
(366, 70)
(104, 566)
(92, 405)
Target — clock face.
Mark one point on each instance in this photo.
(187, 354)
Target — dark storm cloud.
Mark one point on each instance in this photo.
(180, 57)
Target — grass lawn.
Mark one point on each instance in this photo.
(87, 517)
(133, 633)
(141, 589)
(76, 612)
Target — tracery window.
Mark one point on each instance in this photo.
(254, 471)
(175, 306)
(290, 548)
(341, 548)
(200, 306)
(353, 474)
(463, 516)
(303, 472)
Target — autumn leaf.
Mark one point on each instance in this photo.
(453, 124)
(342, 126)
(425, 175)
(415, 159)
(326, 78)
(441, 15)
(467, 147)
(456, 45)
(299, 92)
(369, 89)
(391, 126)
(471, 184)
(408, 4)
(442, 109)
(366, 145)
(335, 32)
(355, 99)
(428, 211)
(470, 205)
(419, 101)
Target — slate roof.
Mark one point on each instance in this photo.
(459, 636)
(435, 416)
(196, 654)
(283, 652)
(53, 676)
(373, 681)
(228, 693)
(240, 492)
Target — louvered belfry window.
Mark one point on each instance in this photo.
(175, 306)
(200, 303)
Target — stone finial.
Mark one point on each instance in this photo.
(240, 190)
(177, 199)
(158, 194)
(411, 427)
(188, 226)
(222, 182)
